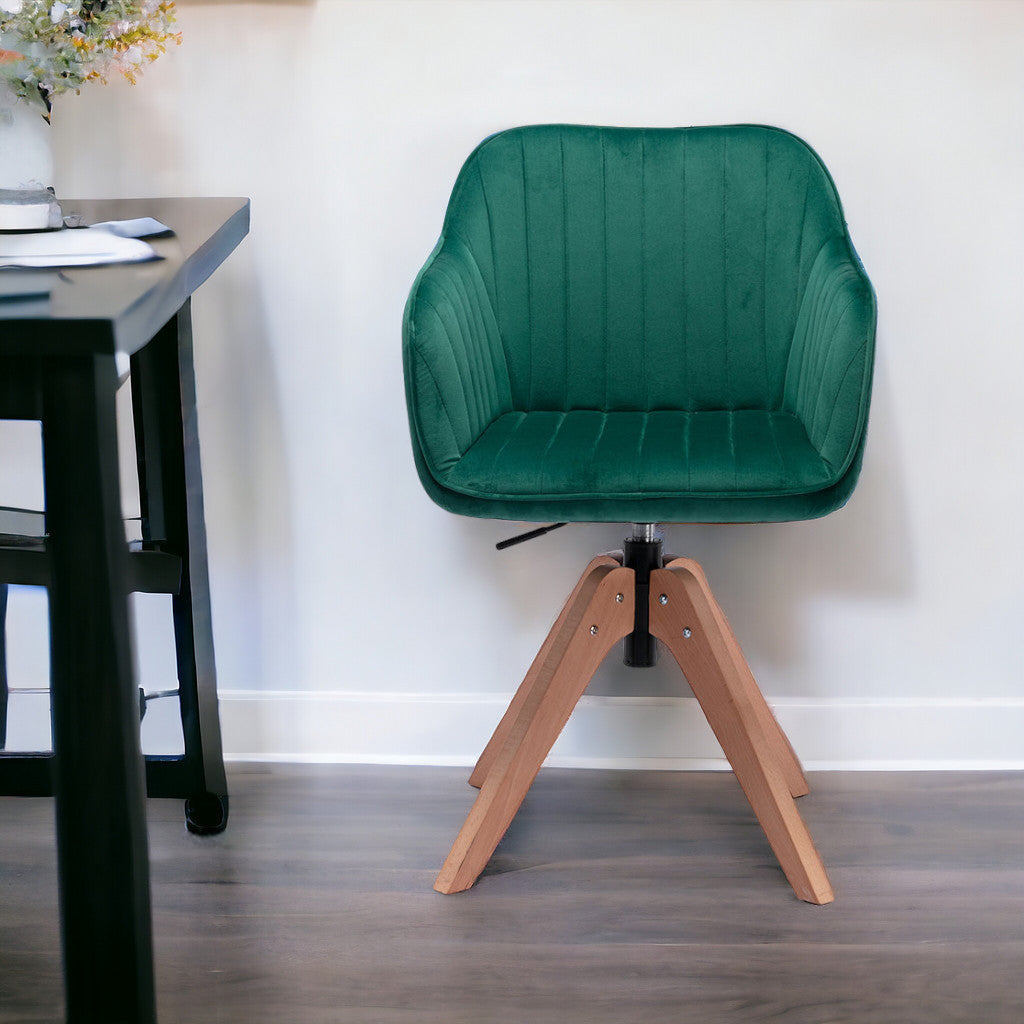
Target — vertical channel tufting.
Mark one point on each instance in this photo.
(467, 356)
(517, 421)
(566, 347)
(731, 429)
(589, 313)
(549, 481)
(625, 273)
(494, 367)
(604, 280)
(595, 444)
(764, 283)
(830, 303)
(584, 233)
(834, 326)
(645, 376)
(803, 216)
(490, 253)
(449, 403)
(816, 302)
(779, 457)
(729, 392)
(484, 255)
(501, 172)
(435, 421)
(542, 190)
(686, 451)
(851, 380)
(687, 393)
(460, 373)
(826, 288)
(556, 358)
(527, 254)
(638, 459)
(459, 400)
(481, 378)
(837, 308)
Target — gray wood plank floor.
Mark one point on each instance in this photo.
(616, 897)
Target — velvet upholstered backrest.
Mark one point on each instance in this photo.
(644, 269)
(641, 325)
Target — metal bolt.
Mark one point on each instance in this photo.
(618, 599)
(593, 630)
(663, 599)
(687, 634)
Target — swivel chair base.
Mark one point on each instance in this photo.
(683, 614)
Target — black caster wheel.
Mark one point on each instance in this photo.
(206, 815)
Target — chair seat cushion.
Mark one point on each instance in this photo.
(593, 455)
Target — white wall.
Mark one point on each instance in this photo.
(886, 633)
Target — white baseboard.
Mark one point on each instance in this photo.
(618, 732)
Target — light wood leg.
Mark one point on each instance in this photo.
(600, 615)
(785, 755)
(707, 658)
(497, 741)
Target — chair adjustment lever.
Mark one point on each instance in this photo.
(529, 535)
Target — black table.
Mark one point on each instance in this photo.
(59, 365)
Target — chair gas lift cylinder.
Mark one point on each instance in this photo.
(641, 326)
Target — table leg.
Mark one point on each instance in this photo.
(171, 491)
(102, 852)
(3, 665)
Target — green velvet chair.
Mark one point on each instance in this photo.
(641, 326)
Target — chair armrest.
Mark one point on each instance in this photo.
(456, 376)
(828, 377)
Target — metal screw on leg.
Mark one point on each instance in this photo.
(663, 599)
(619, 598)
(593, 631)
(687, 634)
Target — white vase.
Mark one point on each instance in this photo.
(26, 166)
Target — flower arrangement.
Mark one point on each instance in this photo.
(52, 46)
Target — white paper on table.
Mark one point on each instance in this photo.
(140, 227)
(81, 247)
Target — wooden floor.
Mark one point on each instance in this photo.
(615, 898)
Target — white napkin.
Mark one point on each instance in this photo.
(85, 247)
(141, 227)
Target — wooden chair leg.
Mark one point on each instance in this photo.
(497, 741)
(687, 623)
(596, 618)
(785, 756)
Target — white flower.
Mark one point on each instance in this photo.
(57, 45)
